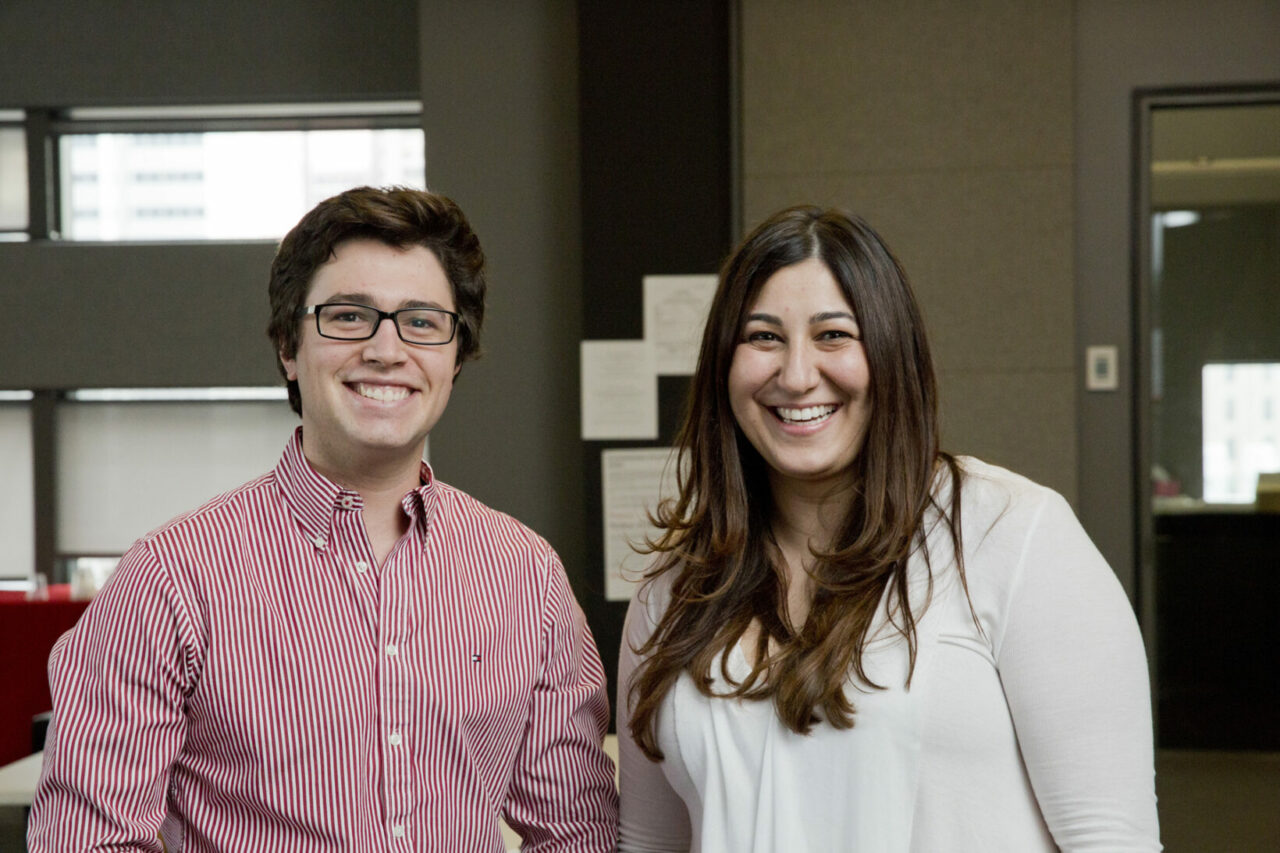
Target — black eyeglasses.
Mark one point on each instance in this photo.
(348, 321)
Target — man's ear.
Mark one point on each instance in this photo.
(290, 367)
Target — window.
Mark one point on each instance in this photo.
(211, 173)
(237, 185)
(127, 461)
(17, 498)
(13, 175)
(117, 467)
(1241, 439)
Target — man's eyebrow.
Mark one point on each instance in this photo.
(354, 297)
(422, 303)
(361, 298)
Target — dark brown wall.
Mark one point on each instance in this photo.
(104, 52)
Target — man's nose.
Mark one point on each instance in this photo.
(385, 345)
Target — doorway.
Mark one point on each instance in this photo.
(1207, 228)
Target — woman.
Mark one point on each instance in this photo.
(849, 639)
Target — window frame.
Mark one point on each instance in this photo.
(46, 128)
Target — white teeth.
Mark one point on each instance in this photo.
(382, 392)
(805, 415)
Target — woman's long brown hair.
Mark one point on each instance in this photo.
(716, 535)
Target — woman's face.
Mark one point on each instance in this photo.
(799, 380)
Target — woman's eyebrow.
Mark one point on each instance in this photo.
(832, 315)
(820, 317)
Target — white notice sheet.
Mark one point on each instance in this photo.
(619, 391)
(634, 481)
(675, 312)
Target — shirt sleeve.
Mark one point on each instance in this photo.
(654, 818)
(119, 680)
(1074, 672)
(562, 796)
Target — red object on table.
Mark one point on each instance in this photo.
(28, 630)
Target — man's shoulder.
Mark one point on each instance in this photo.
(475, 517)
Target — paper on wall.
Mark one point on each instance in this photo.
(634, 480)
(619, 391)
(675, 313)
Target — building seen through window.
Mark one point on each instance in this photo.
(222, 185)
(13, 173)
(1241, 432)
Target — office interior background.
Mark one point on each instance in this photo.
(1024, 160)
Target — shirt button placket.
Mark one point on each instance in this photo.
(397, 759)
(392, 676)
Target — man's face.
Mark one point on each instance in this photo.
(367, 404)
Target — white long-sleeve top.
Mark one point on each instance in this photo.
(1030, 733)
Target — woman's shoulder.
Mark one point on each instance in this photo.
(649, 601)
(652, 594)
(1000, 511)
(992, 492)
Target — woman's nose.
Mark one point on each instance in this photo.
(799, 371)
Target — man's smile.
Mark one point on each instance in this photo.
(386, 393)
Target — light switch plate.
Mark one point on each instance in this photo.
(1101, 368)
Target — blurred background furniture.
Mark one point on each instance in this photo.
(28, 630)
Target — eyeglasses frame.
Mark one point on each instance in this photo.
(314, 310)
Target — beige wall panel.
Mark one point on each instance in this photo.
(950, 128)
(1039, 443)
(905, 85)
(963, 237)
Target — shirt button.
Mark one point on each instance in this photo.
(397, 831)
(318, 542)
(347, 503)
(395, 738)
(392, 651)
(362, 567)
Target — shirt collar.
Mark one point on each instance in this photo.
(314, 498)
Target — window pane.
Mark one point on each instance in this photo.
(17, 498)
(13, 179)
(240, 185)
(1241, 432)
(127, 468)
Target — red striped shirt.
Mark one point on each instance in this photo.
(250, 679)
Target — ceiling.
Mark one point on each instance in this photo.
(1205, 156)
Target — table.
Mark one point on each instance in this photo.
(28, 630)
(18, 780)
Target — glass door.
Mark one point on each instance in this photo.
(1209, 421)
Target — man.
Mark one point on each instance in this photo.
(345, 653)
